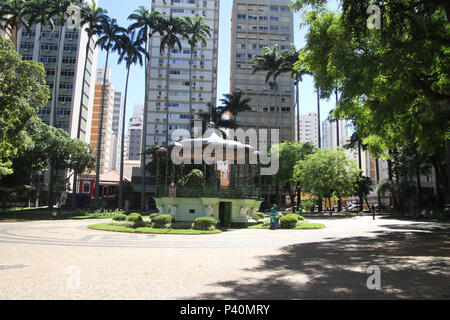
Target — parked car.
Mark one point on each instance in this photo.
(351, 207)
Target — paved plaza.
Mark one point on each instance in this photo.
(65, 260)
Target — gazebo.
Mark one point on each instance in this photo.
(230, 188)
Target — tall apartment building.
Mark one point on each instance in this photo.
(107, 128)
(71, 69)
(257, 24)
(309, 130)
(204, 76)
(117, 123)
(329, 133)
(134, 138)
(329, 138)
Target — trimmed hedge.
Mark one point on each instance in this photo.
(204, 223)
(289, 221)
(120, 217)
(260, 216)
(136, 219)
(163, 221)
(153, 215)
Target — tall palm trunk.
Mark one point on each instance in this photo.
(122, 142)
(167, 96)
(52, 171)
(318, 120)
(80, 115)
(144, 129)
(190, 89)
(297, 99)
(99, 140)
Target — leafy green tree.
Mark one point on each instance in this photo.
(40, 12)
(22, 93)
(327, 174)
(394, 81)
(290, 153)
(192, 180)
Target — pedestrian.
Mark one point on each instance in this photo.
(373, 211)
(313, 207)
(300, 209)
(274, 217)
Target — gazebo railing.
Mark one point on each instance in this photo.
(212, 192)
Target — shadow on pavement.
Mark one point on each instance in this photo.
(414, 261)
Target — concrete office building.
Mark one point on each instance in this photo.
(204, 70)
(257, 24)
(70, 80)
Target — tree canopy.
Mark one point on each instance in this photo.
(22, 93)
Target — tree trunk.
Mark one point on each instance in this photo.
(297, 98)
(439, 198)
(53, 110)
(190, 89)
(447, 144)
(361, 203)
(318, 121)
(80, 115)
(144, 130)
(167, 97)
(99, 140)
(377, 167)
(122, 142)
(419, 185)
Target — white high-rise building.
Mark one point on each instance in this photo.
(309, 128)
(134, 137)
(117, 124)
(204, 72)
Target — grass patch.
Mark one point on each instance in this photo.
(46, 214)
(116, 228)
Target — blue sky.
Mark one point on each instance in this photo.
(120, 10)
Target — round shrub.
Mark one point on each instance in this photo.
(135, 218)
(153, 215)
(204, 223)
(260, 216)
(289, 221)
(119, 217)
(163, 221)
(301, 218)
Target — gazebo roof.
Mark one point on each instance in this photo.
(210, 138)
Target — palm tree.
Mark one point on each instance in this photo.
(270, 62)
(235, 103)
(41, 13)
(107, 41)
(147, 23)
(59, 9)
(92, 18)
(172, 27)
(215, 115)
(13, 14)
(195, 30)
(290, 60)
(132, 52)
